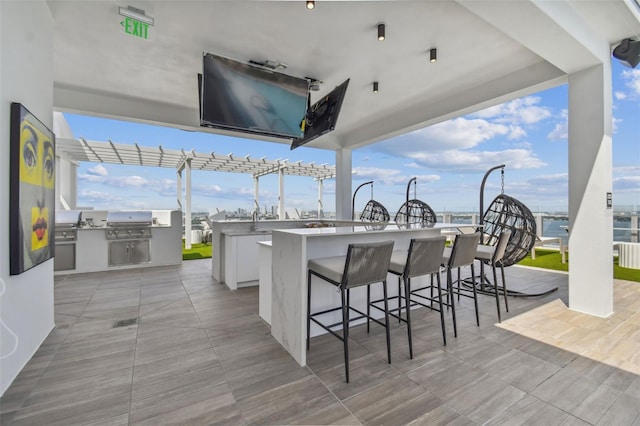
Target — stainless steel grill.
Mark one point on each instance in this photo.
(67, 222)
(128, 225)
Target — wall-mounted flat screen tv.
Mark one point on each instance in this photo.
(323, 115)
(247, 98)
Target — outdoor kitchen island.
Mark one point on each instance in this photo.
(112, 240)
(292, 248)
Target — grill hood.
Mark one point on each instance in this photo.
(129, 218)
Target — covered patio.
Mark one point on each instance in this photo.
(488, 52)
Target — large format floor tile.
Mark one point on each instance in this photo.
(197, 353)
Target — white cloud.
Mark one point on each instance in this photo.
(620, 95)
(523, 110)
(128, 181)
(627, 184)
(632, 81)
(389, 176)
(633, 170)
(553, 179)
(98, 170)
(100, 196)
(516, 132)
(560, 132)
(465, 161)
(459, 133)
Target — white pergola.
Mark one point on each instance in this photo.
(181, 160)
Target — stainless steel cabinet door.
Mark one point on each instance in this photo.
(119, 253)
(140, 251)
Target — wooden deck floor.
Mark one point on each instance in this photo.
(200, 354)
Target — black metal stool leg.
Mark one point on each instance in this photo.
(475, 295)
(495, 286)
(400, 301)
(444, 336)
(345, 333)
(453, 309)
(386, 319)
(368, 307)
(407, 292)
(504, 288)
(308, 307)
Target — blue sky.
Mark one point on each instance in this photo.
(449, 159)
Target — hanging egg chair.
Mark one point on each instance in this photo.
(507, 213)
(374, 212)
(415, 212)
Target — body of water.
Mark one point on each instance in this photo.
(558, 228)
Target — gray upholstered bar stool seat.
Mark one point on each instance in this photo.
(492, 255)
(364, 264)
(462, 253)
(423, 258)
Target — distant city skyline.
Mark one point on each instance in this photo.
(448, 159)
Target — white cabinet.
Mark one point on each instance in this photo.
(241, 266)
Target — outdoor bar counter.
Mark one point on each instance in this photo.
(292, 248)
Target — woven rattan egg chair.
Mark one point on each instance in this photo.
(414, 211)
(373, 211)
(507, 213)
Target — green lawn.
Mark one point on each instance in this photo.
(197, 251)
(550, 259)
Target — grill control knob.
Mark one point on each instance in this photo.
(129, 231)
(64, 234)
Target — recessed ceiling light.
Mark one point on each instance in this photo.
(380, 32)
(311, 4)
(375, 87)
(433, 55)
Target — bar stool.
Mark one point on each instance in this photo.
(492, 255)
(423, 258)
(462, 253)
(364, 264)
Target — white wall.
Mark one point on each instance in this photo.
(26, 76)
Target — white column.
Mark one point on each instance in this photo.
(187, 213)
(179, 188)
(320, 198)
(343, 184)
(590, 179)
(281, 214)
(256, 201)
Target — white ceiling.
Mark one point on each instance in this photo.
(488, 52)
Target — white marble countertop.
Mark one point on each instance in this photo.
(370, 229)
(240, 233)
(265, 243)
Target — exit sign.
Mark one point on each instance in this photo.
(135, 28)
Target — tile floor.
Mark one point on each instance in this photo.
(200, 355)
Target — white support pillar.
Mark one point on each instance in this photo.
(187, 213)
(320, 181)
(590, 180)
(256, 201)
(179, 188)
(343, 184)
(281, 215)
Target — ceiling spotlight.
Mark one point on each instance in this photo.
(136, 14)
(311, 4)
(433, 55)
(375, 87)
(380, 32)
